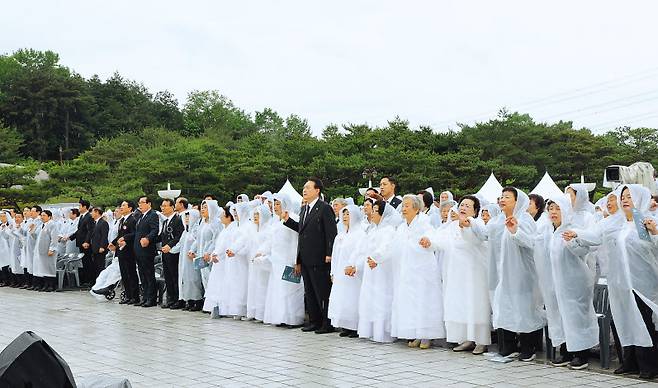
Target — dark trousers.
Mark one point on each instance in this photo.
(97, 265)
(317, 287)
(128, 268)
(170, 272)
(509, 341)
(643, 358)
(87, 271)
(146, 268)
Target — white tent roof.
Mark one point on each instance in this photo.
(490, 190)
(547, 188)
(292, 193)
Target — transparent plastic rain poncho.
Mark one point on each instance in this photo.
(189, 278)
(632, 267)
(517, 304)
(567, 284)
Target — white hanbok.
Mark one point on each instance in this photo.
(348, 250)
(376, 294)
(284, 303)
(259, 264)
(417, 312)
(467, 311)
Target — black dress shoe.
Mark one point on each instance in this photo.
(178, 305)
(344, 333)
(139, 304)
(149, 304)
(325, 330)
(133, 301)
(648, 375)
(125, 301)
(353, 334)
(310, 328)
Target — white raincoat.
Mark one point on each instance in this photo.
(632, 268)
(517, 304)
(567, 284)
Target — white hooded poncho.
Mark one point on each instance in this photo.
(567, 284)
(348, 251)
(632, 268)
(284, 302)
(517, 304)
(376, 294)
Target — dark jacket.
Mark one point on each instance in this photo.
(316, 234)
(85, 224)
(98, 235)
(127, 231)
(171, 233)
(395, 202)
(148, 226)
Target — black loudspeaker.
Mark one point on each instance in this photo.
(29, 362)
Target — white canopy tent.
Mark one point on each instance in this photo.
(292, 194)
(490, 190)
(547, 187)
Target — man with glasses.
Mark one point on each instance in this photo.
(146, 235)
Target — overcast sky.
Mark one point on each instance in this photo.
(431, 62)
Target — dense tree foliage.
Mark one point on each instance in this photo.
(118, 140)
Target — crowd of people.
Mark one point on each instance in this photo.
(414, 268)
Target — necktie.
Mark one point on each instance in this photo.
(306, 210)
(164, 226)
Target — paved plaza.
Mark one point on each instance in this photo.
(163, 348)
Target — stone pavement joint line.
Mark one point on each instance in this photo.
(166, 348)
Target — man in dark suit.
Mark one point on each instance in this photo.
(85, 223)
(146, 237)
(172, 229)
(317, 231)
(97, 241)
(388, 187)
(123, 248)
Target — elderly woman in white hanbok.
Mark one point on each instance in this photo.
(631, 240)
(284, 302)
(346, 271)
(216, 288)
(233, 301)
(416, 315)
(517, 304)
(567, 285)
(376, 294)
(467, 312)
(189, 277)
(259, 265)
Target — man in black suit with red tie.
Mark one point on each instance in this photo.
(317, 231)
(146, 237)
